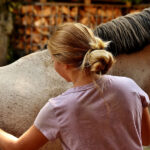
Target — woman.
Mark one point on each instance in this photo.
(100, 112)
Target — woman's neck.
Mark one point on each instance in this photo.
(79, 78)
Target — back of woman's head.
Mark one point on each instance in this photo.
(75, 44)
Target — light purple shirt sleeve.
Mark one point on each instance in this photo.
(46, 122)
(143, 95)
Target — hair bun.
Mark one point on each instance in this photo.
(98, 61)
(101, 61)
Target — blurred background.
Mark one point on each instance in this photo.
(25, 26)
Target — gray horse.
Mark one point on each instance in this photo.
(27, 84)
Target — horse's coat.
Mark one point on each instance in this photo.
(25, 86)
(135, 66)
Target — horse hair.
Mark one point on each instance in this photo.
(127, 34)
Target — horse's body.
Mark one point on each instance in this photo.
(27, 84)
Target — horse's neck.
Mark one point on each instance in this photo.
(145, 50)
(139, 55)
(136, 66)
(147, 47)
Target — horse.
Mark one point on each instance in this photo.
(27, 84)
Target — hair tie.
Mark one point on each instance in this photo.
(85, 63)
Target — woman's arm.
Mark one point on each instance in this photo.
(146, 127)
(32, 139)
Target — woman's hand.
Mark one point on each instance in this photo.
(32, 139)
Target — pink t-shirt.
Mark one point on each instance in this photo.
(86, 119)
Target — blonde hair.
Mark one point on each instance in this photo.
(76, 44)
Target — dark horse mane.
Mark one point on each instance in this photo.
(127, 34)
